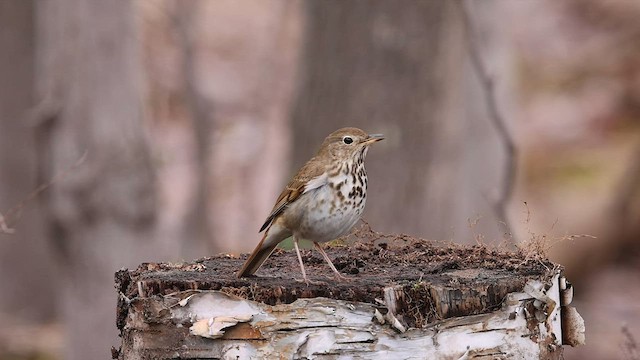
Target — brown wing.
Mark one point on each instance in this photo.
(312, 169)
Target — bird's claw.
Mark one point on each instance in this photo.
(340, 277)
(310, 282)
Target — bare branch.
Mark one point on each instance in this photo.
(630, 347)
(3, 226)
(13, 214)
(495, 116)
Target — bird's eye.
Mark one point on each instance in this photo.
(347, 140)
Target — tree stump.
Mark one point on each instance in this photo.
(407, 299)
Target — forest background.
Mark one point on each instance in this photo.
(150, 130)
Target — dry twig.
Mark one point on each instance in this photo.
(630, 347)
(13, 214)
(4, 228)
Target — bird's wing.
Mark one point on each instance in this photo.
(311, 176)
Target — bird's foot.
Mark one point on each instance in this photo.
(310, 282)
(340, 277)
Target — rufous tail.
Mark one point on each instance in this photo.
(272, 237)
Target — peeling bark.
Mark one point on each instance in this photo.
(200, 310)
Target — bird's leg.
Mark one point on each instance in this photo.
(326, 258)
(304, 273)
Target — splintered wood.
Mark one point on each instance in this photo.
(412, 300)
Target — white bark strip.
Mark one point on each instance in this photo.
(224, 326)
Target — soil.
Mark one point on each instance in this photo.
(439, 280)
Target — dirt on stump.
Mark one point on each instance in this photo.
(439, 280)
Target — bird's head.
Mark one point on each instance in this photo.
(348, 143)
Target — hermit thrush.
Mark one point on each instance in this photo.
(323, 200)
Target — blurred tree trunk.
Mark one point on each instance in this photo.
(248, 78)
(24, 252)
(198, 233)
(101, 214)
(396, 67)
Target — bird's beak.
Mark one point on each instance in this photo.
(373, 138)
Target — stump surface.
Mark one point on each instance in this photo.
(432, 281)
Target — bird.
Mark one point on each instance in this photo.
(322, 202)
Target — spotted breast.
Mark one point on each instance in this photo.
(331, 211)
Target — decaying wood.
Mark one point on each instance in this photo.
(430, 308)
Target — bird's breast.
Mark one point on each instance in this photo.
(330, 211)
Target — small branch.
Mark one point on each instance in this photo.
(630, 345)
(14, 212)
(495, 116)
(3, 226)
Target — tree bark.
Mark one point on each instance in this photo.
(25, 251)
(459, 304)
(100, 215)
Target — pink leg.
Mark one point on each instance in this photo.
(326, 258)
(304, 273)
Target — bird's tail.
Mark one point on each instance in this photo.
(272, 237)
